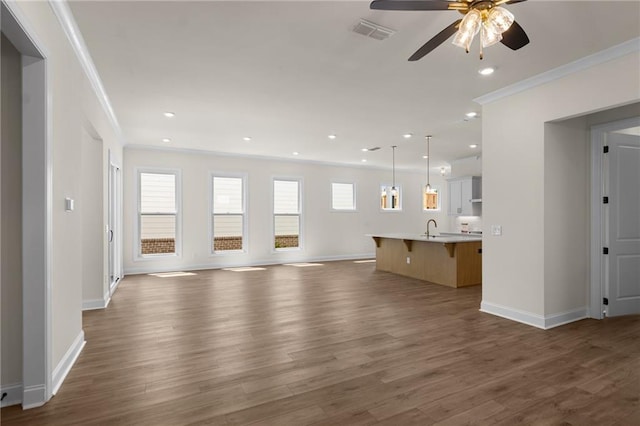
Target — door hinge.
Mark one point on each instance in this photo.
(605, 301)
(605, 149)
(605, 250)
(605, 200)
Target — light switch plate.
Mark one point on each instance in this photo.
(68, 204)
(496, 230)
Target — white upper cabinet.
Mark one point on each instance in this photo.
(465, 196)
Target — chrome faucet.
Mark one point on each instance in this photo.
(429, 222)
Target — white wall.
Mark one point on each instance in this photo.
(326, 234)
(526, 262)
(11, 217)
(467, 166)
(90, 208)
(566, 215)
(73, 104)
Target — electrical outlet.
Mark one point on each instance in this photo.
(496, 230)
(408, 260)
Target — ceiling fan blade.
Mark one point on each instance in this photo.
(499, 2)
(436, 41)
(418, 5)
(515, 37)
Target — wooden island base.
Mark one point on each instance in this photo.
(454, 264)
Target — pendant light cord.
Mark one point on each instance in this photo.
(428, 161)
(394, 166)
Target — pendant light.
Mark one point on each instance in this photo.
(428, 187)
(394, 190)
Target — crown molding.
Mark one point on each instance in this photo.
(603, 56)
(194, 151)
(65, 17)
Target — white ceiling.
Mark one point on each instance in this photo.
(290, 73)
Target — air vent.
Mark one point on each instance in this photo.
(369, 29)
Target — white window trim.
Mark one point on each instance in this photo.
(245, 209)
(439, 199)
(137, 248)
(399, 186)
(355, 197)
(300, 215)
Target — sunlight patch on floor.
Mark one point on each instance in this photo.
(173, 274)
(244, 269)
(303, 265)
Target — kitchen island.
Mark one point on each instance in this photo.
(454, 261)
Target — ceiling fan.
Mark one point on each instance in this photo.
(493, 22)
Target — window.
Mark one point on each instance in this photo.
(286, 214)
(343, 196)
(390, 197)
(158, 213)
(430, 199)
(228, 216)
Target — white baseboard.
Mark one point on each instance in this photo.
(512, 314)
(544, 322)
(91, 304)
(556, 320)
(199, 267)
(107, 298)
(67, 361)
(14, 394)
(34, 396)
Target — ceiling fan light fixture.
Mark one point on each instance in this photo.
(463, 39)
(469, 27)
(487, 16)
(500, 18)
(488, 35)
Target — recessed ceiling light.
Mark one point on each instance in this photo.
(364, 160)
(425, 156)
(473, 145)
(246, 139)
(169, 114)
(332, 136)
(407, 135)
(486, 71)
(166, 140)
(364, 149)
(295, 153)
(471, 114)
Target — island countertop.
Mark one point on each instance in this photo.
(444, 238)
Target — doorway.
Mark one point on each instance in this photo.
(36, 192)
(114, 225)
(615, 212)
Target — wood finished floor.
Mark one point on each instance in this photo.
(339, 344)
